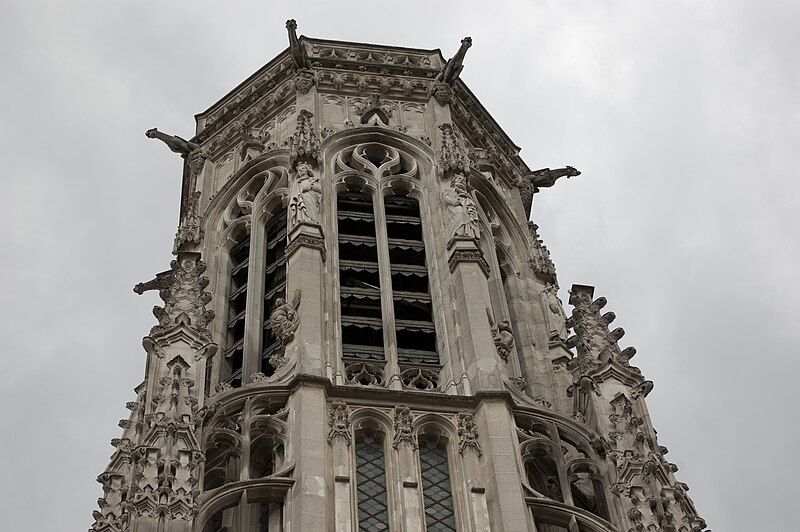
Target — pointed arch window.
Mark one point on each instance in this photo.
(437, 494)
(237, 306)
(413, 313)
(274, 283)
(359, 278)
(386, 306)
(373, 510)
(265, 259)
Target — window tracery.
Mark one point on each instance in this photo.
(386, 307)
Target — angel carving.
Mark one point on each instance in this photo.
(285, 319)
(502, 334)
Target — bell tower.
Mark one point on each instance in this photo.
(361, 329)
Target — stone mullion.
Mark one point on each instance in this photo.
(474, 335)
(505, 310)
(244, 466)
(345, 499)
(254, 324)
(410, 488)
(387, 295)
(476, 491)
(521, 336)
(504, 491)
(307, 501)
(305, 271)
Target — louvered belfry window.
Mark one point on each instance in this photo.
(416, 335)
(360, 285)
(274, 282)
(436, 492)
(237, 303)
(373, 513)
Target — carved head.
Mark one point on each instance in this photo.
(291, 24)
(572, 172)
(304, 170)
(151, 133)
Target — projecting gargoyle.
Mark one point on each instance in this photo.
(297, 50)
(173, 142)
(547, 178)
(162, 281)
(455, 65)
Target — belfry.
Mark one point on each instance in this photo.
(361, 328)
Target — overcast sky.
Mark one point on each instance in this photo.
(684, 118)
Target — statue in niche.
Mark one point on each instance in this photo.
(305, 196)
(284, 319)
(463, 210)
(556, 319)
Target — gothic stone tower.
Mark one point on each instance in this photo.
(361, 331)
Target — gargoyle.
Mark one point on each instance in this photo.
(546, 177)
(162, 281)
(455, 65)
(296, 49)
(173, 142)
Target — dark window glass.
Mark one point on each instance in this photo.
(371, 483)
(436, 493)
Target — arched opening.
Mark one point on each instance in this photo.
(239, 256)
(437, 493)
(371, 493)
(274, 286)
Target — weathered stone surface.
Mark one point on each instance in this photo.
(392, 348)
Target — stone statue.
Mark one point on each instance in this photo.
(556, 318)
(502, 334)
(463, 210)
(284, 319)
(173, 142)
(305, 197)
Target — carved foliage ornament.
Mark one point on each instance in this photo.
(541, 263)
(453, 156)
(183, 291)
(339, 421)
(593, 340)
(304, 80)
(468, 434)
(403, 428)
(304, 144)
(190, 230)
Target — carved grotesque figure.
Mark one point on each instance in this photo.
(284, 318)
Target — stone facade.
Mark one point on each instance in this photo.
(361, 330)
